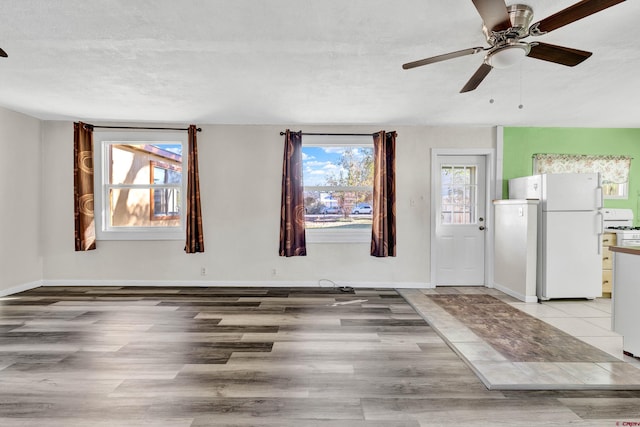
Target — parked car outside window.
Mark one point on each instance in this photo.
(332, 210)
(362, 208)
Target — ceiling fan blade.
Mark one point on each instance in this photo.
(3, 53)
(558, 54)
(443, 57)
(493, 13)
(573, 13)
(477, 78)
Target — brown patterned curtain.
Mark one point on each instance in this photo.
(85, 226)
(195, 236)
(292, 235)
(383, 230)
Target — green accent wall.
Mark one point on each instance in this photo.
(520, 144)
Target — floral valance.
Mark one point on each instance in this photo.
(613, 169)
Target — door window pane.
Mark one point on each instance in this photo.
(459, 194)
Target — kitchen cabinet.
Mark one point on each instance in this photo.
(625, 316)
(608, 240)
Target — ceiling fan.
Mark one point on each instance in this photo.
(3, 53)
(505, 27)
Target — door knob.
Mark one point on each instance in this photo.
(481, 227)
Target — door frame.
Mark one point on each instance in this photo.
(491, 184)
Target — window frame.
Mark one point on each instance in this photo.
(335, 235)
(102, 141)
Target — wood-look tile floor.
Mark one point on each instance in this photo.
(546, 358)
(132, 356)
(516, 335)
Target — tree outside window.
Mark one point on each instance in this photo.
(338, 186)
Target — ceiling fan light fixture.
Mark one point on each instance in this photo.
(507, 56)
(505, 26)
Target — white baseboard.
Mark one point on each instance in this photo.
(216, 283)
(20, 288)
(323, 283)
(518, 295)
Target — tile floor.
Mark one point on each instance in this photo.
(587, 320)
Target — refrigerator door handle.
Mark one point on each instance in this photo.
(600, 197)
(600, 231)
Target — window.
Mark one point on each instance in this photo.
(140, 186)
(612, 190)
(338, 188)
(459, 194)
(613, 170)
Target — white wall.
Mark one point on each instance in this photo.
(240, 178)
(20, 207)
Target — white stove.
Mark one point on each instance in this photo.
(620, 222)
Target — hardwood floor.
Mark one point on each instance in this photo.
(132, 356)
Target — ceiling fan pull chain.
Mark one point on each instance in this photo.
(520, 106)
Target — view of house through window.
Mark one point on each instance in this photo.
(338, 186)
(459, 194)
(145, 184)
(140, 187)
(165, 194)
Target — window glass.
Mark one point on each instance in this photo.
(459, 194)
(139, 192)
(338, 189)
(614, 190)
(166, 195)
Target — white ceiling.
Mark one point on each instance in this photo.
(305, 62)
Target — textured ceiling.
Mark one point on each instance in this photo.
(302, 61)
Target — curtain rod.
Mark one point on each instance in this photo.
(334, 134)
(138, 127)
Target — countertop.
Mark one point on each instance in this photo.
(633, 250)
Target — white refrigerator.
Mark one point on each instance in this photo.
(569, 232)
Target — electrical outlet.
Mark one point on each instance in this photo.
(203, 271)
(274, 272)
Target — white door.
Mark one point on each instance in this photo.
(571, 192)
(460, 221)
(570, 255)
